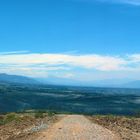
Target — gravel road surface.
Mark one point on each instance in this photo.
(76, 127)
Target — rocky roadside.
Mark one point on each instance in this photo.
(24, 126)
(128, 128)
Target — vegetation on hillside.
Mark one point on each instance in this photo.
(17, 98)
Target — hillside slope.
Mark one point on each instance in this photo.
(5, 78)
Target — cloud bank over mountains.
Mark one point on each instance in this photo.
(41, 64)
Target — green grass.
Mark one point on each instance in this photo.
(10, 117)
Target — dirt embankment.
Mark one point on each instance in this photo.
(126, 128)
(24, 127)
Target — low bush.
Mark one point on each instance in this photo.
(39, 114)
(9, 118)
(51, 113)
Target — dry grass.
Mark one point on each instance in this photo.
(22, 126)
(126, 128)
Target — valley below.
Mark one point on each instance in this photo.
(68, 99)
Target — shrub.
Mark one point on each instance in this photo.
(50, 113)
(1, 120)
(39, 114)
(137, 114)
(11, 117)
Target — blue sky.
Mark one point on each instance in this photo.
(78, 39)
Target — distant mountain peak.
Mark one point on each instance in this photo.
(7, 78)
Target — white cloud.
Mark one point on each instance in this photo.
(135, 58)
(37, 64)
(98, 62)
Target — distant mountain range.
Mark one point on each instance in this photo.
(116, 83)
(133, 84)
(6, 78)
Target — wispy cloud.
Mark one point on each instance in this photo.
(89, 61)
(14, 52)
(132, 2)
(40, 64)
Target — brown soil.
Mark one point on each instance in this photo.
(27, 127)
(126, 128)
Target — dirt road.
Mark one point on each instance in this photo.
(76, 127)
